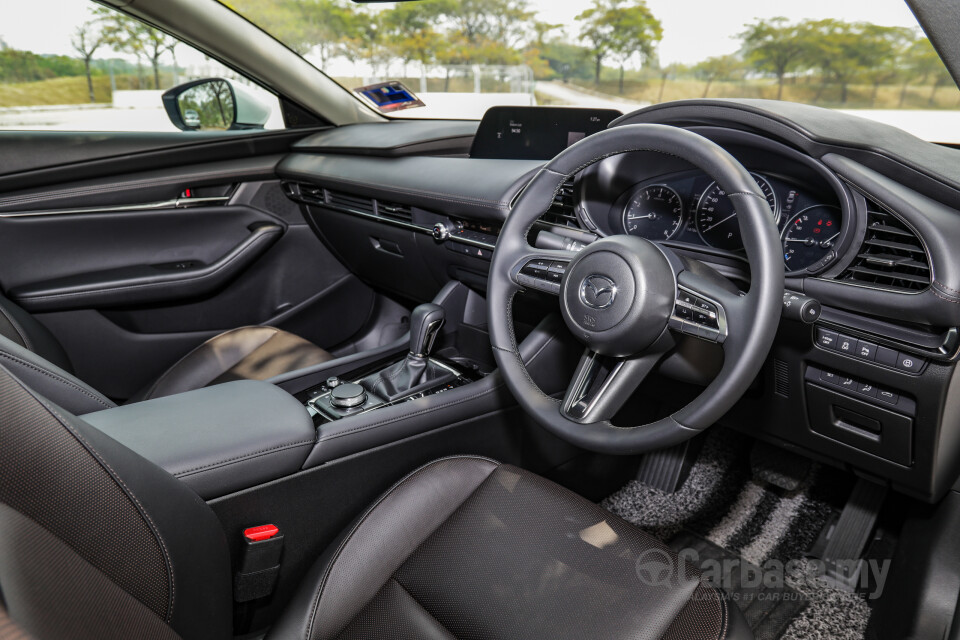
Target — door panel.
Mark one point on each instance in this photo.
(119, 343)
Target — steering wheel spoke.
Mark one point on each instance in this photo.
(541, 269)
(601, 385)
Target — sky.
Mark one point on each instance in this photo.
(693, 29)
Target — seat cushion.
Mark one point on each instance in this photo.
(247, 353)
(468, 548)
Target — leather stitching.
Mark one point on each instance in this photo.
(247, 456)
(165, 283)
(16, 327)
(116, 478)
(58, 378)
(363, 519)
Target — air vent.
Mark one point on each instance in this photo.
(781, 378)
(393, 211)
(891, 256)
(339, 200)
(562, 211)
(309, 193)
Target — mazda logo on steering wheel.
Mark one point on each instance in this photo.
(598, 292)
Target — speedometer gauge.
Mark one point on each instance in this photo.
(716, 219)
(810, 235)
(654, 212)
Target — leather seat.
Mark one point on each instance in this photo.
(96, 542)
(32, 352)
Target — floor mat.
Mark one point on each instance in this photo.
(721, 513)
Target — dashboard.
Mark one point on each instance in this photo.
(868, 219)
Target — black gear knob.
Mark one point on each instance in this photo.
(425, 323)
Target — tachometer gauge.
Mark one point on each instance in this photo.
(716, 220)
(654, 212)
(810, 235)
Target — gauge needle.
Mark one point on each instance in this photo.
(732, 215)
(649, 215)
(829, 241)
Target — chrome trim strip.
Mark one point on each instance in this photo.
(176, 203)
(398, 223)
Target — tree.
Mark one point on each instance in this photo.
(923, 64)
(666, 73)
(616, 28)
(884, 49)
(838, 50)
(717, 68)
(775, 46)
(87, 38)
(635, 32)
(155, 44)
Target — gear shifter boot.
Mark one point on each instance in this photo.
(399, 379)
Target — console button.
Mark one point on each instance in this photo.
(846, 344)
(867, 389)
(829, 377)
(909, 363)
(849, 383)
(866, 350)
(886, 356)
(888, 396)
(826, 339)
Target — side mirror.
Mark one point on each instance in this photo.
(214, 104)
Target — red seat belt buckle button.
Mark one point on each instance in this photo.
(261, 533)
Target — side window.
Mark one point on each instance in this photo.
(77, 66)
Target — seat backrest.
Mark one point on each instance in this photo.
(31, 352)
(96, 541)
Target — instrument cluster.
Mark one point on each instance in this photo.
(691, 208)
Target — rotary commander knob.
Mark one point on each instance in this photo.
(348, 396)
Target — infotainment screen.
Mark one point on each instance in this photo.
(535, 133)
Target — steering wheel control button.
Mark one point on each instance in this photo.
(909, 363)
(348, 396)
(826, 338)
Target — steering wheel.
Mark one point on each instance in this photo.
(628, 300)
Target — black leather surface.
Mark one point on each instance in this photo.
(141, 284)
(405, 377)
(141, 187)
(51, 381)
(25, 330)
(751, 333)
(246, 353)
(100, 497)
(216, 440)
(467, 548)
(394, 138)
(482, 189)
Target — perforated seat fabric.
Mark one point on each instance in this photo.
(467, 548)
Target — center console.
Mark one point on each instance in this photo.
(396, 380)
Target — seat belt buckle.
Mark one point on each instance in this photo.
(259, 565)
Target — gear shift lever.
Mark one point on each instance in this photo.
(425, 323)
(415, 369)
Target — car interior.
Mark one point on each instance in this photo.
(373, 377)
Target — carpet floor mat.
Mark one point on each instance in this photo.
(751, 538)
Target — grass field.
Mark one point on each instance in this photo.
(71, 90)
(809, 92)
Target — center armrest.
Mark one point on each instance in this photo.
(219, 439)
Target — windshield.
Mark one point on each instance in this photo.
(461, 57)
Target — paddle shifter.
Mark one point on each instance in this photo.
(415, 369)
